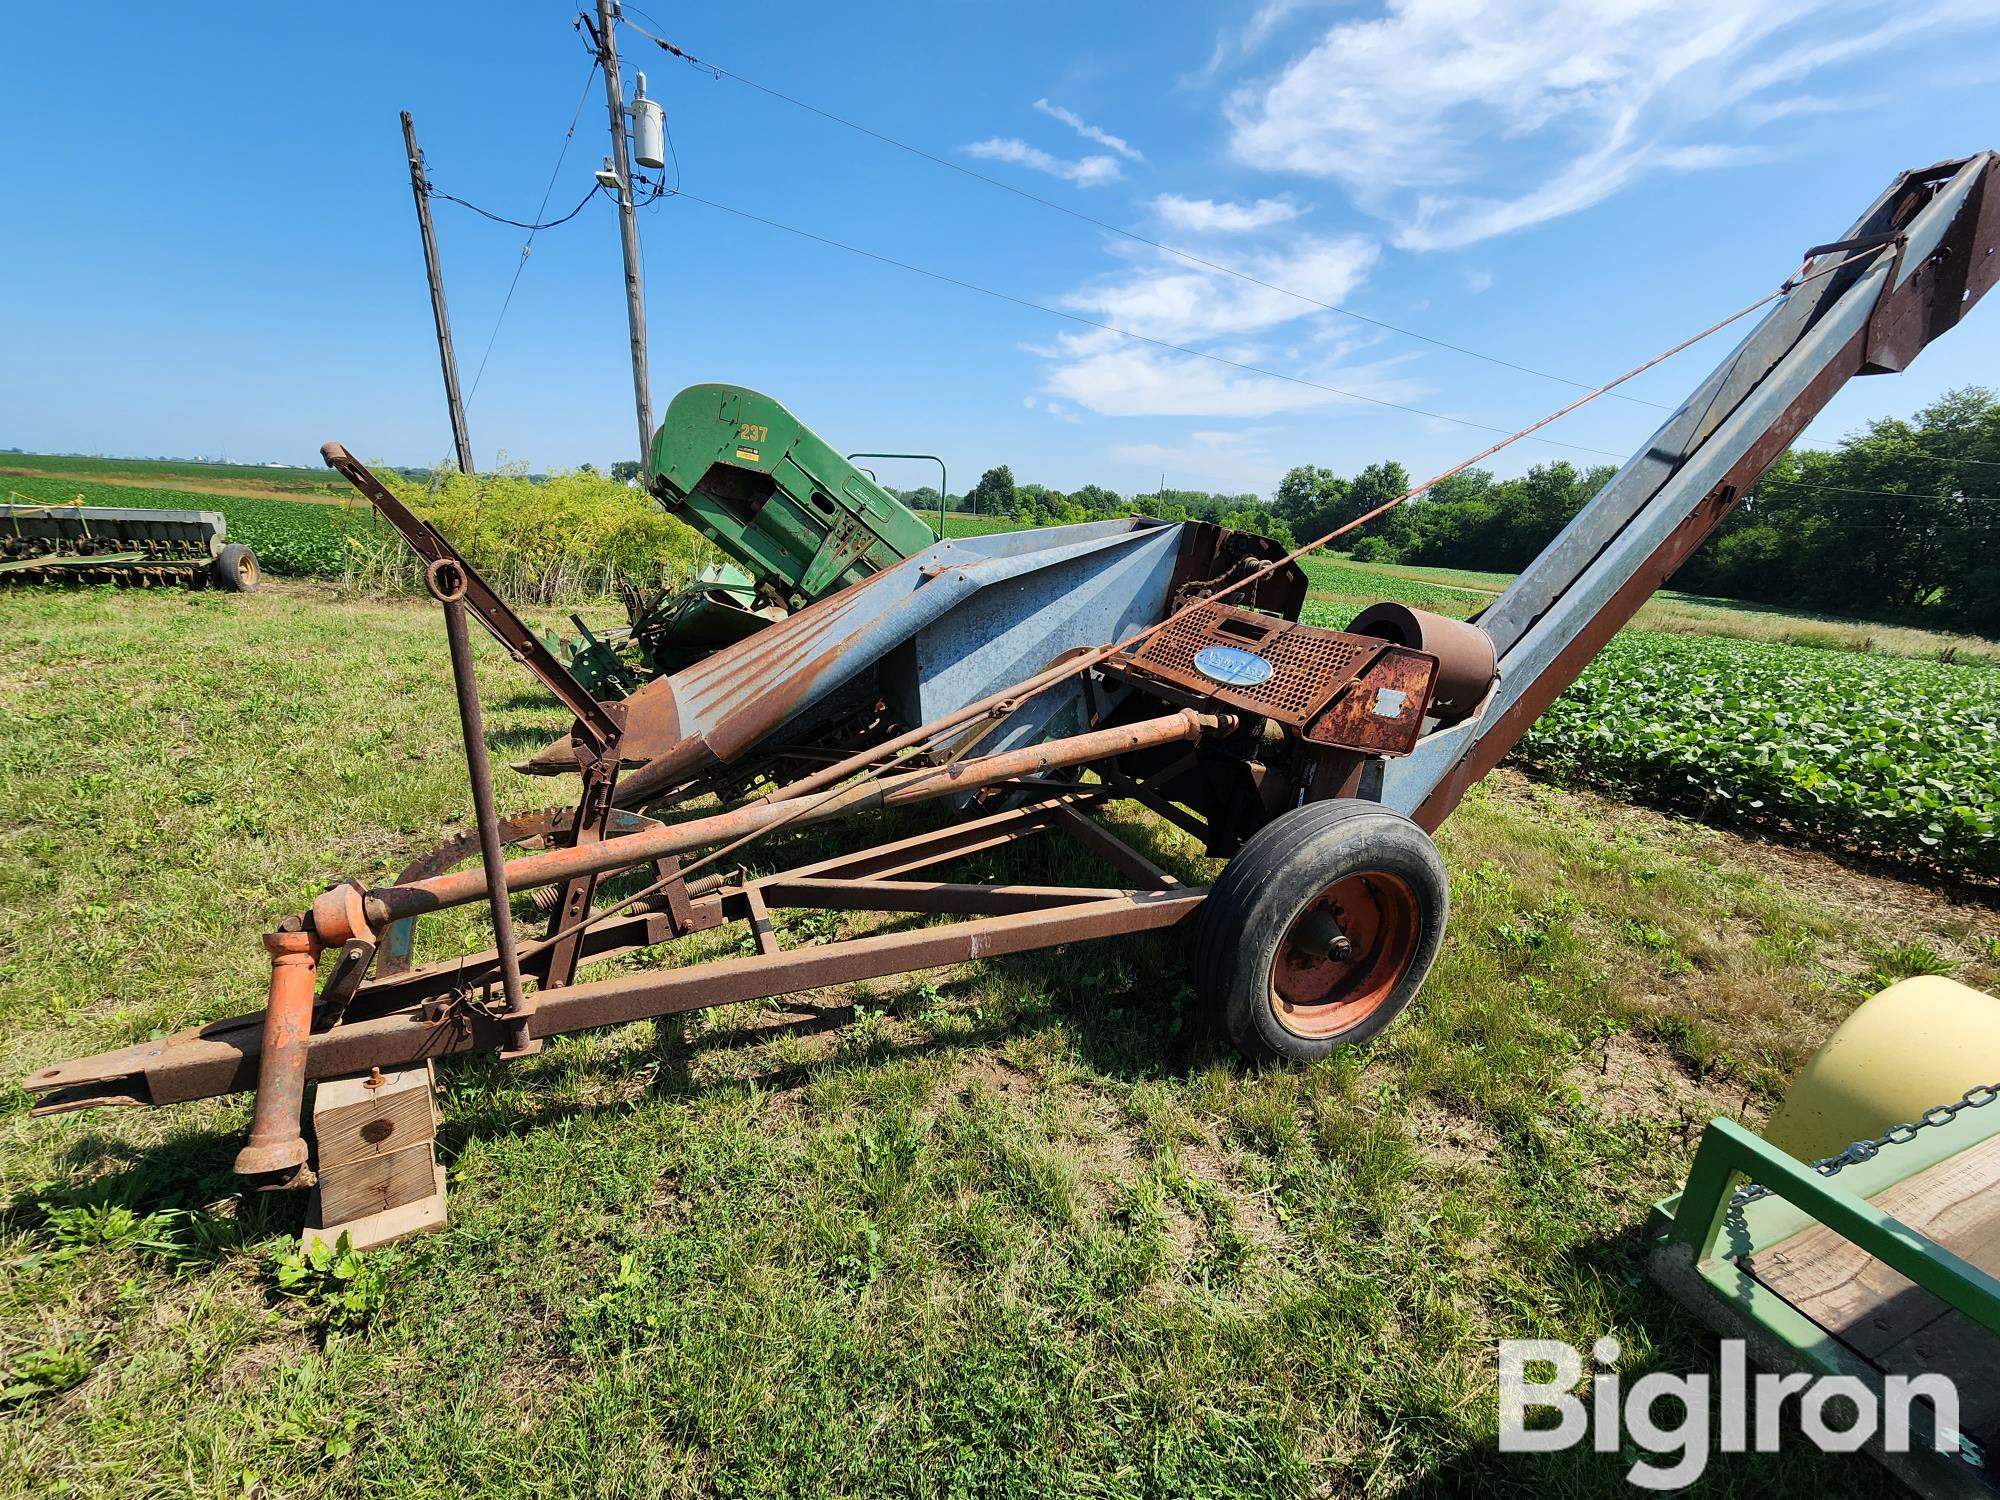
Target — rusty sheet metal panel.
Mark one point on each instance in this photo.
(958, 621)
(1383, 711)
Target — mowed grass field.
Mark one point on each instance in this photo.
(1018, 1227)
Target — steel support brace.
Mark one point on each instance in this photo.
(224, 1058)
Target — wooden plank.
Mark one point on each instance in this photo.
(1884, 1316)
(357, 1189)
(425, 1214)
(360, 1118)
(1954, 1345)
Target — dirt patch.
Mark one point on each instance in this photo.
(990, 1072)
(1898, 906)
(1103, 1149)
(1623, 1077)
(255, 1365)
(1251, 1209)
(1460, 1142)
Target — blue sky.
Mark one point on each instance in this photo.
(211, 247)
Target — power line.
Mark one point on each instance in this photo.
(517, 223)
(1914, 452)
(1187, 255)
(1057, 312)
(522, 264)
(1808, 487)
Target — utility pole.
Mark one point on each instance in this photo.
(421, 191)
(628, 221)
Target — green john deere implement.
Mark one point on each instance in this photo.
(1874, 1263)
(78, 543)
(796, 520)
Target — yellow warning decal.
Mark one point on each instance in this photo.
(748, 455)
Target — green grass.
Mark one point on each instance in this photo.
(1340, 587)
(1016, 1227)
(959, 524)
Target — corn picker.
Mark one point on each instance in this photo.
(1028, 680)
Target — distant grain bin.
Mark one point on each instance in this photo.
(649, 128)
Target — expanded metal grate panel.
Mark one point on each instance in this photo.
(1308, 664)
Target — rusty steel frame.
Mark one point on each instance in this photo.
(439, 1013)
(346, 912)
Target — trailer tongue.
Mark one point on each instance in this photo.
(1165, 659)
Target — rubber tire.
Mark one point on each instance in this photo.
(235, 569)
(1282, 869)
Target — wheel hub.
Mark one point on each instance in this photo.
(1344, 954)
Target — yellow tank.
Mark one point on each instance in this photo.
(1918, 1043)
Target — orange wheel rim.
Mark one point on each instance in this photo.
(1319, 990)
(246, 570)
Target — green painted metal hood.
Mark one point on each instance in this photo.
(770, 492)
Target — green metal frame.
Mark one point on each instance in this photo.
(944, 479)
(774, 496)
(1699, 1239)
(1701, 1216)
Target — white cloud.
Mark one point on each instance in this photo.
(1763, 112)
(1088, 171)
(1550, 105)
(1241, 41)
(1478, 281)
(1206, 216)
(1137, 380)
(1167, 298)
(1231, 462)
(1090, 132)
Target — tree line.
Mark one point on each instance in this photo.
(1899, 522)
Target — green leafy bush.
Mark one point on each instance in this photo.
(560, 537)
(1886, 754)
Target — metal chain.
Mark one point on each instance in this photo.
(1976, 1097)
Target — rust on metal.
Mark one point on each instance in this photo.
(392, 903)
(447, 581)
(276, 1144)
(1344, 955)
(224, 1058)
(1306, 665)
(1383, 712)
(599, 721)
(1464, 654)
